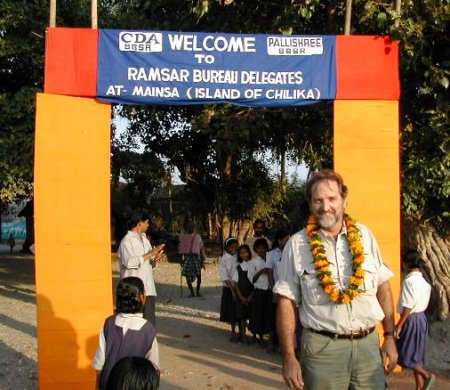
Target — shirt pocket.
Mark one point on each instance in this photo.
(312, 291)
(370, 285)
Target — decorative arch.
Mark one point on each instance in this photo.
(72, 185)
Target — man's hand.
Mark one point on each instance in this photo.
(292, 373)
(155, 253)
(389, 354)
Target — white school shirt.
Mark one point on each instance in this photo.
(228, 264)
(416, 292)
(131, 260)
(133, 321)
(256, 264)
(272, 259)
(298, 282)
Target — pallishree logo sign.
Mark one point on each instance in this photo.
(154, 67)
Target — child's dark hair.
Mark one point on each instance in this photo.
(245, 246)
(261, 242)
(229, 241)
(128, 295)
(279, 234)
(133, 373)
(412, 259)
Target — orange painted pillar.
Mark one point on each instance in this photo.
(72, 219)
(366, 154)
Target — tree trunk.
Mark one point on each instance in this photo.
(435, 252)
(52, 18)
(283, 172)
(348, 17)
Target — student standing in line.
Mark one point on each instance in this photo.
(261, 313)
(228, 264)
(412, 327)
(126, 333)
(244, 290)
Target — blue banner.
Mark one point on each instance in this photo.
(163, 67)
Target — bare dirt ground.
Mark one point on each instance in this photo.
(194, 347)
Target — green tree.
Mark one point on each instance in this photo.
(22, 43)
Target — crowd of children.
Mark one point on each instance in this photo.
(247, 279)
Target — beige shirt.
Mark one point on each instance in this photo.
(298, 282)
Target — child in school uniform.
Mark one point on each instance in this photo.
(125, 333)
(412, 327)
(261, 312)
(228, 264)
(244, 290)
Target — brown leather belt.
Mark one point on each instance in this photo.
(352, 336)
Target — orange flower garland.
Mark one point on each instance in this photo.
(322, 264)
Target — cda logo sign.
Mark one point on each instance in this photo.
(140, 41)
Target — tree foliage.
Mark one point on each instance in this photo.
(202, 141)
(21, 63)
(22, 43)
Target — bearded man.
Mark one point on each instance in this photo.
(334, 271)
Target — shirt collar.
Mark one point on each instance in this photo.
(328, 236)
(128, 315)
(412, 273)
(137, 235)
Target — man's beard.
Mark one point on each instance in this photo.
(328, 220)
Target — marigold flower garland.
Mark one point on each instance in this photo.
(322, 264)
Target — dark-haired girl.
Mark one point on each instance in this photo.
(133, 373)
(412, 327)
(125, 333)
(228, 263)
(243, 288)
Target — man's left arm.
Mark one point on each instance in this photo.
(388, 349)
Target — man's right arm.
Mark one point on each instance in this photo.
(288, 292)
(292, 372)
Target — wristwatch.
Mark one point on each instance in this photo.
(392, 333)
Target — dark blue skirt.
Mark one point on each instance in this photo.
(412, 344)
(227, 306)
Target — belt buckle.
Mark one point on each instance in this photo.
(357, 335)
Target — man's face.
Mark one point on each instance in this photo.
(327, 205)
(259, 229)
(143, 226)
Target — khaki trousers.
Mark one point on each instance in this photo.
(340, 364)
